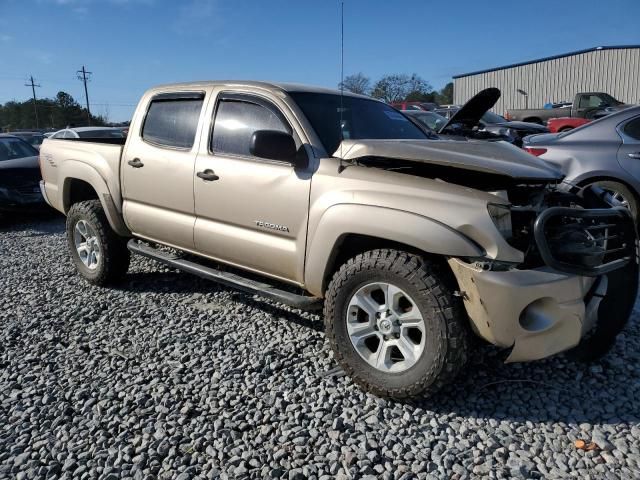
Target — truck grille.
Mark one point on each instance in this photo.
(586, 242)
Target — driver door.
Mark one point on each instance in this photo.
(250, 211)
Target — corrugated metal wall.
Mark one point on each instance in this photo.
(614, 71)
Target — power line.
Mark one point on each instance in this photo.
(35, 102)
(84, 76)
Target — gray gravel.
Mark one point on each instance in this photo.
(169, 376)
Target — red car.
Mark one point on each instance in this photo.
(564, 124)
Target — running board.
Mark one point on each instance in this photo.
(226, 278)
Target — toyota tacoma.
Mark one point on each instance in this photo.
(309, 197)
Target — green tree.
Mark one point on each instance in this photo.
(445, 95)
(58, 112)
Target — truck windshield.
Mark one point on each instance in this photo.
(361, 119)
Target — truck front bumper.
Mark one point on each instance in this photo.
(537, 312)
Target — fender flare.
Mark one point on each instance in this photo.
(74, 170)
(423, 233)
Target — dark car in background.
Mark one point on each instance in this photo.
(19, 175)
(34, 139)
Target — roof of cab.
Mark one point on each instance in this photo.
(279, 86)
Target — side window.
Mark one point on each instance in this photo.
(632, 129)
(172, 122)
(235, 122)
(590, 101)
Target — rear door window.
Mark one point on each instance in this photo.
(632, 129)
(237, 119)
(172, 120)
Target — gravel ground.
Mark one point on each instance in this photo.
(169, 376)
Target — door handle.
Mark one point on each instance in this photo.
(136, 163)
(208, 175)
(634, 155)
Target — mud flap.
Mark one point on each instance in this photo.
(613, 313)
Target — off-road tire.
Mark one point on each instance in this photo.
(115, 256)
(447, 327)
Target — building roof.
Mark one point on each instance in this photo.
(545, 59)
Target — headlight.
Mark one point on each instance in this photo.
(501, 216)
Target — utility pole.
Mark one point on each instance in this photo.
(84, 76)
(33, 86)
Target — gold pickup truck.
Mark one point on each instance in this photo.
(310, 197)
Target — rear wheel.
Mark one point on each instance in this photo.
(394, 324)
(565, 129)
(97, 252)
(622, 194)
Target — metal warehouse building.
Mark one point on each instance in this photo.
(614, 70)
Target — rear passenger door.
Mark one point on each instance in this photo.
(254, 214)
(629, 151)
(158, 169)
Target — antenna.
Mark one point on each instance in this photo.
(341, 167)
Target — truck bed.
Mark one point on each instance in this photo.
(59, 156)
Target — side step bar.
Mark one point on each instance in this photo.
(226, 278)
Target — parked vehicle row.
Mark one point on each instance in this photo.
(345, 201)
(590, 105)
(476, 120)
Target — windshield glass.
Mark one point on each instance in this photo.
(490, 117)
(361, 119)
(608, 99)
(13, 148)
(101, 134)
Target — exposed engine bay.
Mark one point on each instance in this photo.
(583, 231)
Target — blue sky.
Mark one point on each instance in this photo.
(130, 45)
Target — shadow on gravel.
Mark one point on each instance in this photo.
(552, 390)
(187, 284)
(46, 222)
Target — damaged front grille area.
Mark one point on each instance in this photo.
(587, 242)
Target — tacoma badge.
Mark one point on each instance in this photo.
(271, 226)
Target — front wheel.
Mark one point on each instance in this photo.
(394, 324)
(97, 252)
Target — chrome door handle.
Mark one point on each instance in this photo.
(136, 163)
(208, 175)
(634, 155)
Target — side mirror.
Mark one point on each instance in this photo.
(273, 145)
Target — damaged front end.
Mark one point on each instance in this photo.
(578, 280)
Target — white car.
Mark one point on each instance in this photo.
(89, 132)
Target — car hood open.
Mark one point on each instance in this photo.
(471, 112)
(498, 158)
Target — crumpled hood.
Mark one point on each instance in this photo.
(499, 158)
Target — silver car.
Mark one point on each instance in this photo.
(605, 152)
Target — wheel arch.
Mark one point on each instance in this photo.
(84, 183)
(605, 178)
(347, 230)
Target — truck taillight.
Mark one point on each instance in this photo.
(536, 151)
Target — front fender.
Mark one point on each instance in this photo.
(412, 229)
(73, 170)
